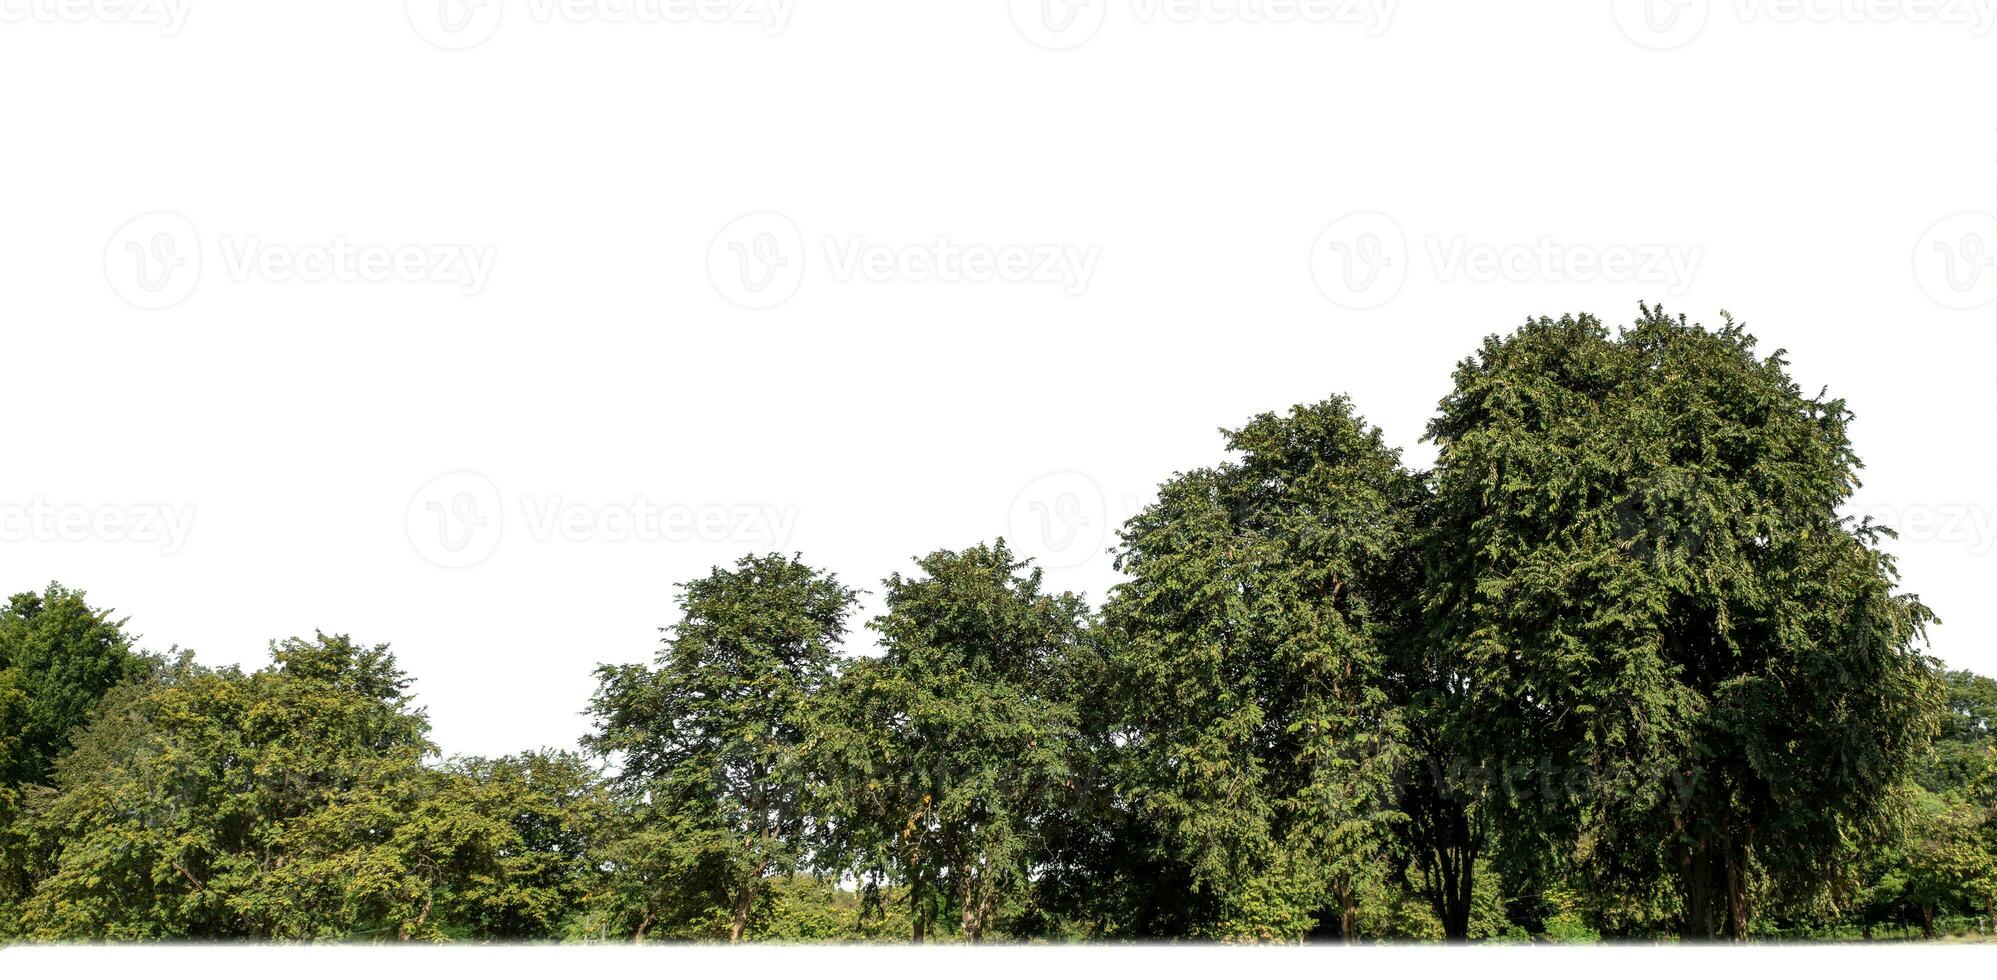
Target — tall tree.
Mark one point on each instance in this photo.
(61, 655)
(951, 751)
(1679, 657)
(1443, 830)
(711, 738)
(1251, 642)
(58, 658)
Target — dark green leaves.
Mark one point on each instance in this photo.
(1250, 647)
(1639, 571)
(711, 741)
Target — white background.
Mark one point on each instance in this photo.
(1818, 171)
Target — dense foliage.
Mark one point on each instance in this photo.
(711, 743)
(1617, 667)
(1640, 571)
(1264, 777)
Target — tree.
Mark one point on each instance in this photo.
(1442, 835)
(1964, 761)
(712, 738)
(58, 658)
(1949, 866)
(952, 750)
(1950, 853)
(668, 871)
(1679, 658)
(511, 842)
(15, 878)
(1251, 641)
(217, 804)
(61, 656)
(293, 803)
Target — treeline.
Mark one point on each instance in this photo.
(1615, 667)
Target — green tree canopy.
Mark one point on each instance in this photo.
(1251, 646)
(711, 738)
(57, 657)
(1679, 657)
(213, 804)
(1617, 666)
(953, 748)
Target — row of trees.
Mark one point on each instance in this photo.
(1615, 666)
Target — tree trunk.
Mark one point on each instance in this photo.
(1697, 876)
(1456, 898)
(1927, 922)
(745, 899)
(1713, 882)
(1446, 828)
(970, 906)
(644, 924)
(1736, 867)
(1448, 838)
(987, 907)
(1348, 914)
